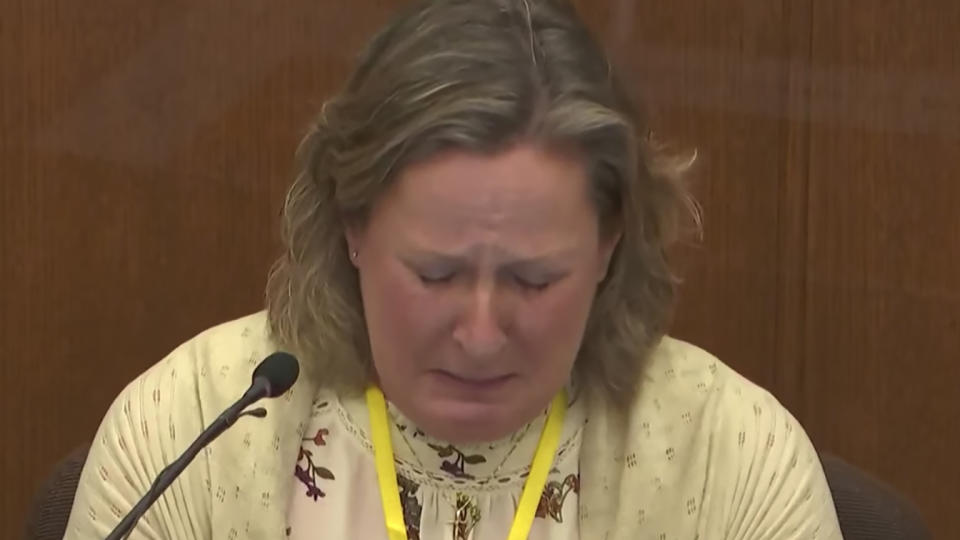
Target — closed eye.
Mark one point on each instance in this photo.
(435, 278)
(533, 284)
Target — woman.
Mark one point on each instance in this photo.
(476, 287)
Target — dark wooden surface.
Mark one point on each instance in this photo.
(145, 149)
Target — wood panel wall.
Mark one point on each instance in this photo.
(145, 149)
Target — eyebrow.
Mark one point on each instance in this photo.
(511, 260)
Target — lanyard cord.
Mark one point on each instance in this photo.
(532, 488)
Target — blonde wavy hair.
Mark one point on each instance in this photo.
(477, 76)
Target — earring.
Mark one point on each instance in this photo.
(354, 254)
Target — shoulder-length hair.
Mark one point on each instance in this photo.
(477, 76)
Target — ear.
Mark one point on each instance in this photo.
(608, 245)
(353, 237)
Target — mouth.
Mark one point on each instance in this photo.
(474, 383)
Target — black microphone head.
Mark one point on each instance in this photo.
(280, 370)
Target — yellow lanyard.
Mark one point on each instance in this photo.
(532, 488)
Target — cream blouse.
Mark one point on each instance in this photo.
(701, 453)
(448, 492)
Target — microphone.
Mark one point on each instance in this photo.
(273, 377)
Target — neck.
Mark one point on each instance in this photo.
(411, 428)
(475, 425)
(463, 459)
(477, 460)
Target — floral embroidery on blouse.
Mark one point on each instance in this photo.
(412, 509)
(466, 516)
(553, 496)
(307, 471)
(457, 466)
(460, 489)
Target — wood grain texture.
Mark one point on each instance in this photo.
(830, 271)
(883, 259)
(145, 152)
(717, 78)
(145, 149)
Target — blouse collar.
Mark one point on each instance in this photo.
(501, 461)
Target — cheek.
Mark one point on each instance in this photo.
(551, 328)
(402, 319)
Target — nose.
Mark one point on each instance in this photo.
(480, 332)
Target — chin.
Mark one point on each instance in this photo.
(468, 423)
(464, 435)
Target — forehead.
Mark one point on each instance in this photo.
(525, 185)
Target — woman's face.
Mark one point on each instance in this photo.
(477, 275)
